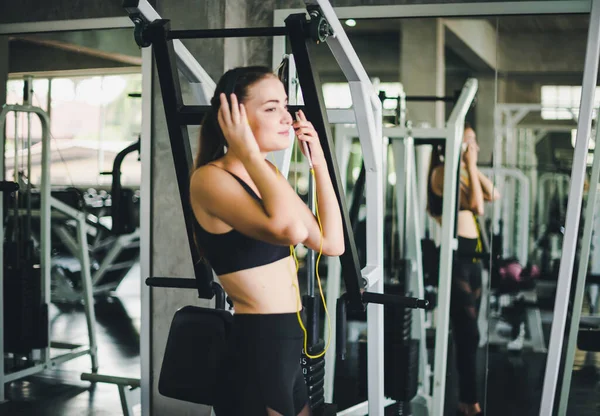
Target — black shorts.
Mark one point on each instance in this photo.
(263, 367)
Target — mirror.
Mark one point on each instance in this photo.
(538, 89)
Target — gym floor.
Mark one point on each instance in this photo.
(514, 382)
(61, 392)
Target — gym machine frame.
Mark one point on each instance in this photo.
(536, 341)
(367, 113)
(45, 361)
(565, 273)
(508, 125)
(586, 240)
(558, 183)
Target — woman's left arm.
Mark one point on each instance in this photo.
(327, 203)
(490, 192)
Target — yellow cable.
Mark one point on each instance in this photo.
(299, 303)
(312, 171)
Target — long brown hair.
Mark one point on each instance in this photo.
(212, 142)
(436, 160)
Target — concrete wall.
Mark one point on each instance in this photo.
(43, 11)
(422, 68)
(30, 57)
(3, 67)
(170, 252)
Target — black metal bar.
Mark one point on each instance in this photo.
(119, 223)
(341, 327)
(312, 303)
(357, 195)
(407, 302)
(424, 98)
(192, 115)
(168, 77)
(316, 112)
(8, 186)
(221, 299)
(430, 98)
(172, 282)
(227, 33)
(433, 141)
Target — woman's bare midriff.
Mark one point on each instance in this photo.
(466, 226)
(265, 289)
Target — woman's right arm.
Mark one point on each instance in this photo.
(475, 194)
(273, 220)
(490, 192)
(278, 197)
(219, 195)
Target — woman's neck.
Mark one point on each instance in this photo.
(234, 163)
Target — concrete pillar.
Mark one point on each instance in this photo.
(235, 16)
(3, 67)
(422, 68)
(484, 117)
(170, 252)
(422, 72)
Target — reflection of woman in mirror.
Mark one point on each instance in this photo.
(475, 188)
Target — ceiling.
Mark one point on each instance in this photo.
(512, 24)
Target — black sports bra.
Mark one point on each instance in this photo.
(233, 251)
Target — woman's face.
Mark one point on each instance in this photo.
(469, 136)
(269, 119)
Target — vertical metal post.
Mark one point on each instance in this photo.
(455, 127)
(86, 283)
(2, 367)
(370, 134)
(447, 247)
(146, 232)
(565, 272)
(584, 256)
(404, 162)
(168, 76)
(316, 112)
(403, 176)
(44, 221)
(343, 147)
(312, 308)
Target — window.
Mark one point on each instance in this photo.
(92, 119)
(337, 95)
(561, 102)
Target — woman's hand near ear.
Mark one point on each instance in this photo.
(237, 131)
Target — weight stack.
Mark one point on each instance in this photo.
(401, 352)
(25, 317)
(401, 356)
(314, 376)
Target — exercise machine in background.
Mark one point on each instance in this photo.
(26, 344)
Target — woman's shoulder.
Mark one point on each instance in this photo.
(202, 173)
(207, 177)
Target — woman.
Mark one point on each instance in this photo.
(248, 217)
(475, 188)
